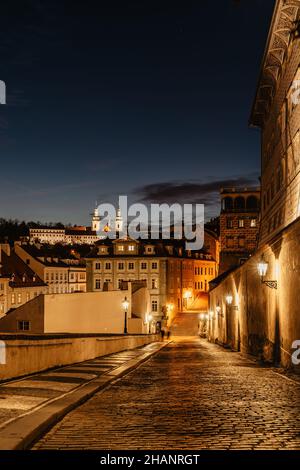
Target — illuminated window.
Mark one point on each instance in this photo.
(253, 223)
(229, 242)
(229, 223)
(154, 306)
(241, 242)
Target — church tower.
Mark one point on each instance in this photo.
(95, 220)
(119, 223)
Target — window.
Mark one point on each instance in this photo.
(143, 265)
(154, 265)
(131, 266)
(23, 325)
(121, 266)
(19, 298)
(229, 242)
(154, 306)
(154, 283)
(253, 223)
(47, 276)
(130, 247)
(98, 284)
(229, 223)
(242, 242)
(13, 298)
(27, 296)
(241, 223)
(98, 266)
(107, 266)
(120, 282)
(120, 247)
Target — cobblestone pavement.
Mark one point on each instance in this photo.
(191, 395)
(26, 395)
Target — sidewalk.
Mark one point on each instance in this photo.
(31, 405)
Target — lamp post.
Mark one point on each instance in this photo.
(262, 268)
(125, 305)
(149, 321)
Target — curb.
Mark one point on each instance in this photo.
(21, 433)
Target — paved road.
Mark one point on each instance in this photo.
(191, 395)
(19, 397)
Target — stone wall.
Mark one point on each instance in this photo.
(261, 321)
(26, 354)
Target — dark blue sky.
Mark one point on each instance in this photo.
(128, 98)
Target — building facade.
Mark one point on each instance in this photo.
(166, 268)
(254, 309)
(276, 112)
(67, 235)
(18, 282)
(61, 274)
(239, 225)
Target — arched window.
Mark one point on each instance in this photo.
(239, 203)
(252, 202)
(227, 203)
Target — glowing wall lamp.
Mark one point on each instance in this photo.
(262, 268)
(229, 299)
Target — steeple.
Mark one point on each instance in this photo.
(96, 220)
(119, 223)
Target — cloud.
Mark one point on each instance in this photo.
(201, 192)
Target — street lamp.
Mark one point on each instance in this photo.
(125, 305)
(229, 299)
(262, 268)
(149, 321)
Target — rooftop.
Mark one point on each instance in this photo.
(20, 273)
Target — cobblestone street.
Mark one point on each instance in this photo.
(191, 395)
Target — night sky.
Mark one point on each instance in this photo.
(142, 98)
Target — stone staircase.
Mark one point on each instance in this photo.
(185, 324)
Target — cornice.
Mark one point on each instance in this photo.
(282, 31)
